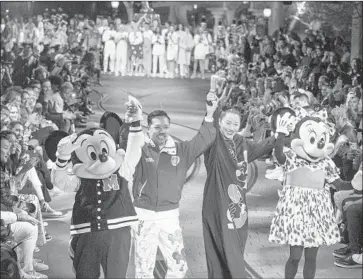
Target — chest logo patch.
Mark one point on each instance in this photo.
(175, 160)
(111, 183)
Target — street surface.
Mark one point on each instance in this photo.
(184, 101)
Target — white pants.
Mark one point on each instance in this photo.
(121, 57)
(162, 64)
(109, 52)
(159, 229)
(27, 234)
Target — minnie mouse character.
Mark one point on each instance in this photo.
(304, 217)
(103, 211)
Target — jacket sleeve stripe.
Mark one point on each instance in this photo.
(80, 226)
(123, 219)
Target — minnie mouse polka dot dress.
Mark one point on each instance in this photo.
(305, 216)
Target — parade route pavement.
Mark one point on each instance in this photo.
(184, 100)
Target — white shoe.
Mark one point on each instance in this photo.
(357, 258)
(33, 275)
(272, 170)
(45, 224)
(47, 211)
(275, 174)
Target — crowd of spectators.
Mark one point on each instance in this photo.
(48, 63)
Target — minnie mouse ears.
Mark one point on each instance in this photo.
(51, 144)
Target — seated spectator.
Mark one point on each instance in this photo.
(4, 117)
(351, 255)
(22, 232)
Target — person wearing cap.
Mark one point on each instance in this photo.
(121, 48)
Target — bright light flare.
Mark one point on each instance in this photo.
(266, 12)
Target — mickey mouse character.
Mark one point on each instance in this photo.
(103, 211)
(304, 217)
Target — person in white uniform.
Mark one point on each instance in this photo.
(186, 44)
(147, 49)
(200, 52)
(158, 41)
(172, 51)
(121, 48)
(109, 50)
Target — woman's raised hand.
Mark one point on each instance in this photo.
(212, 103)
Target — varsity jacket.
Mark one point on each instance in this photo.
(105, 204)
(160, 174)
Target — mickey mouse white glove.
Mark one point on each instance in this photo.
(66, 147)
(285, 124)
(134, 110)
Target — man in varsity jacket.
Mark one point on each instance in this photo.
(103, 210)
(157, 186)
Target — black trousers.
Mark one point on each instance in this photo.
(355, 227)
(109, 249)
(224, 250)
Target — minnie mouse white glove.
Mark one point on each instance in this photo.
(285, 124)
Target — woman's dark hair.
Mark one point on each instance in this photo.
(231, 109)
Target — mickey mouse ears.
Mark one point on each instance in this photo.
(51, 144)
(112, 123)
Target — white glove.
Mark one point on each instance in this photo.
(66, 147)
(285, 123)
(134, 110)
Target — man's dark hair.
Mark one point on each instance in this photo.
(12, 124)
(156, 113)
(34, 82)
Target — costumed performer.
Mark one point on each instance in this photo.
(304, 217)
(103, 211)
